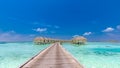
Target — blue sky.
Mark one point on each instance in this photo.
(25, 19)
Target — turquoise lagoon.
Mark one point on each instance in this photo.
(12, 55)
(91, 55)
(96, 54)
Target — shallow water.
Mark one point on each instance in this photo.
(12, 55)
(91, 55)
(96, 54)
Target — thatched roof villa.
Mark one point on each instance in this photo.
(44, 40)
(39, 40)
(79, 40)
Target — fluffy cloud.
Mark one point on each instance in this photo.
(109, 29)
(87, 33)
(75, 36)
(12, 37)
(118, 27)
(40, 29)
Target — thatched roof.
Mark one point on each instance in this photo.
(79, 38)
(45, 38)
(38, 38)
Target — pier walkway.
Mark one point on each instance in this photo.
(54, 56)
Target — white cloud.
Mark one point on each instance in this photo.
(118, 27)
(87, 33)
(109, 29)
(12, 37)
(40, 29)
(75, 36)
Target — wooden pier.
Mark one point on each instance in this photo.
(54, 56)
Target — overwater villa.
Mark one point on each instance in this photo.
(46, 40)
(43, 40)
(79, 40)
(39, 40)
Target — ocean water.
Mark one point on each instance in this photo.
(12, 55)
(96, 54)
(91, 55)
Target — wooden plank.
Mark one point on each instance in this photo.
(54, 56)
